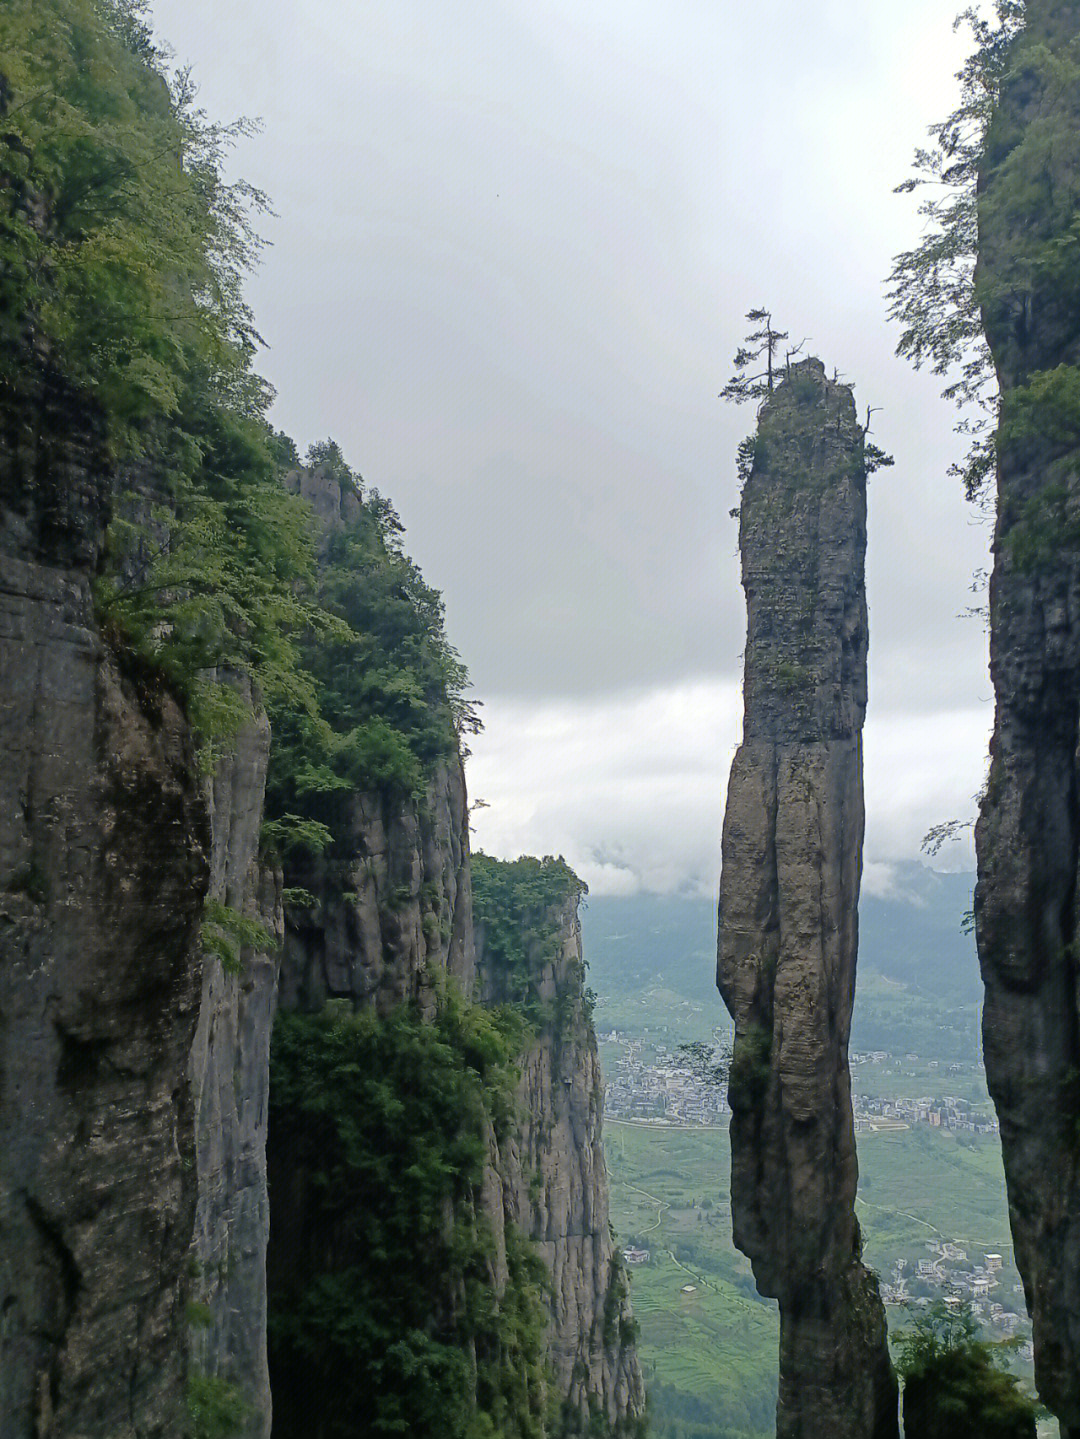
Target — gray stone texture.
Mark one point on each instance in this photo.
(103, 867)
(393, 915)
(391, 920)
(229, 1074)
(788, 936)
(550, 1180)
(133, 1068)
(1028, 834)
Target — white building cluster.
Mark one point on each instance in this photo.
(663, 1091)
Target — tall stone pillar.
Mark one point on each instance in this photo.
(789, 891)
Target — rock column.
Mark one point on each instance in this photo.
(1028, 836)
(792, 861)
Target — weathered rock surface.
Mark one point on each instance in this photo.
(393, 906)
(229, 1073)
(133, 1069)
(1028, 835)
(103, 840)
(552, 1180)
(394, 913)
(792, 860)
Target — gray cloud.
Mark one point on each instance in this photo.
(630, 787)
(513, 250)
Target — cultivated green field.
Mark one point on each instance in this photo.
(717, 1345)
(710, 1355)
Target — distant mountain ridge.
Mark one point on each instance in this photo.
(911, 936)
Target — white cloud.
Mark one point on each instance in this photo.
(630, 788)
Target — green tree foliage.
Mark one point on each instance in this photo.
(998, 265)
(762, 346)
(122, 245)
(389, 691)
(955, 1384)
(214, 580)
(122, 251)
(516, 906)
(383, 1302)
(216, 1408)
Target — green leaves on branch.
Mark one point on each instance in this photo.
(759, 352)
(225, 932)
(122, 246)
(216, 1408)
(1001, 240)
(386, 1305)
(955, 1383)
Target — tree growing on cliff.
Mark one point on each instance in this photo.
(762, 345)
(122, 245)
(933, 290)
(955, 1383)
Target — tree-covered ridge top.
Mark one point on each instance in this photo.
(519, 907)
(122, 252)
(123, 247)
(523, 883)
(388, 691)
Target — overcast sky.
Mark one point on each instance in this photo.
(513, 249)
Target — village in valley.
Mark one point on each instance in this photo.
(651, 1083)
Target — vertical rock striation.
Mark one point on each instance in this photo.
(229, 1076)
(103, 840)
(792, 860)
(1028, 835)
(134, 1069)
(552, 1178)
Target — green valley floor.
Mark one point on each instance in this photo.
(708, 1341)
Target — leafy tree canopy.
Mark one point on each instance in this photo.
(384, 1303)
(122, 247)
(934, 294)
(955, 1383)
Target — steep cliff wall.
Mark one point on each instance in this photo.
(142, 899)
(792, 859)
(550, 1167)
(229, 1077)
(392, 911)
(103, 868)
(385, 933)
(1028, 836)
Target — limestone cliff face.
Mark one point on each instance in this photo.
(551, 1180)
(394, 912)
(391, 921)
(1028, 836)
(134, 1212)
(792, 858)
(229, 1075)
(103, 867)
